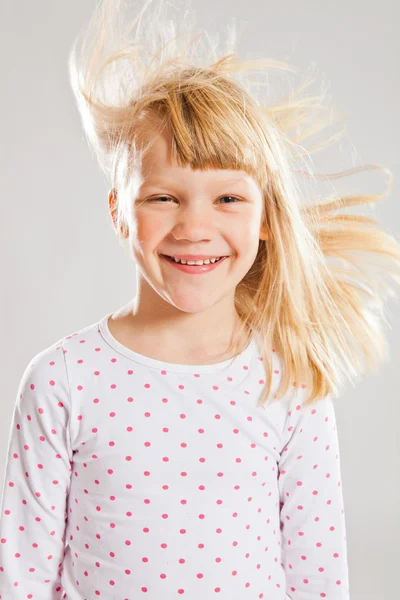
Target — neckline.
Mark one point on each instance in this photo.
(171, 367)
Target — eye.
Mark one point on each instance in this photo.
(158, 199)
(234, 198)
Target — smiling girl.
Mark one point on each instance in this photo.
(186, 444)
(186, 312)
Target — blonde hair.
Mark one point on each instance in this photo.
(316, 316)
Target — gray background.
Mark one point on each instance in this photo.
(62, 268)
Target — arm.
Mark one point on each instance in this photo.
(36, 483)
(313, 532)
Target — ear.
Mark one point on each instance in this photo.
(264, 233)
(112, 199)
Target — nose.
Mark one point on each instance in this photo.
(194, 223)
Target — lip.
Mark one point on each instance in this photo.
(194, 269)
(195, 256)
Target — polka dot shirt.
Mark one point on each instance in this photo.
(132, 478)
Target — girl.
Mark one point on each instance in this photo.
(186, 445)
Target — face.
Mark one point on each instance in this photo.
(181, 211)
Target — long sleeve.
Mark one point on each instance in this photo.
(36, 483)
(313, 532)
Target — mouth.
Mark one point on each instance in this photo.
(193, 269)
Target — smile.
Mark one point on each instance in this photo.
(193, 269)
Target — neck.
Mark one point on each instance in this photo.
(206, 334)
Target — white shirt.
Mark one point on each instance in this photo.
(131, 478)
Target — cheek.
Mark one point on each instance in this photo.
(149, 229)
(247, 234)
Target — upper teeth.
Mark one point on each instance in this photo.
(196, 262)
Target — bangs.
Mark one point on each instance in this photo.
(210, 129)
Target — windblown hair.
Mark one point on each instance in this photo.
(321, 319)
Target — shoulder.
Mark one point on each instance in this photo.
(295, 401)
(44, 366)
(46, 372)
